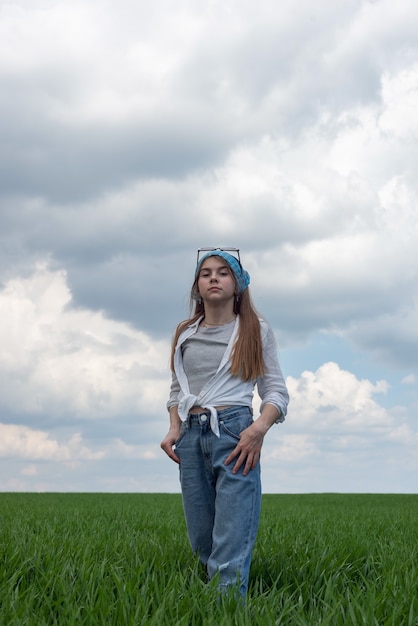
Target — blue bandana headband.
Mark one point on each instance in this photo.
(241, 276)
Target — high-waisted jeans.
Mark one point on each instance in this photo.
(222, 509)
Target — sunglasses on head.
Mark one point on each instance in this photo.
(233, 251)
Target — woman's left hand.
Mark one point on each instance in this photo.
(247, 451)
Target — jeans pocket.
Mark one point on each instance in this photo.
(235, 425)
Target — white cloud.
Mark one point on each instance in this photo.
(26, 443)
(335, 400)
(337, 437)
(121, 449)
(292, 449)
(60, 360)
(400, 98)
(29, 470)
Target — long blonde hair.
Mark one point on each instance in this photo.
(247, 357)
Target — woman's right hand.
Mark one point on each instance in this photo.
(169, 441)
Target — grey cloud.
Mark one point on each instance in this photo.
(151, 292)
(391, 338)
(218, 96)
(64, 164)
(72, 189)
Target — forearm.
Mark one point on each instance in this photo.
(175, 421)
(268, 416)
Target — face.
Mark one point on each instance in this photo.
(215, 281)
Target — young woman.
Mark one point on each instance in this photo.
(218, 356)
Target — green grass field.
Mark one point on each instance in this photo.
(125, 559)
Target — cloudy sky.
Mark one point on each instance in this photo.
(132, 133)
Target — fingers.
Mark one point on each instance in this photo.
(247, 459)
(249, 462)
(174, 457)
(247, 451)
(168, 449)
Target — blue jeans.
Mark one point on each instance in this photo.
(222, 509)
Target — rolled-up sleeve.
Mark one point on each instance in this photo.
(271, 386)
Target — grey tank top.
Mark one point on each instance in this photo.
(202, 354)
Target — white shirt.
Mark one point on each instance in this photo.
(225, 389)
